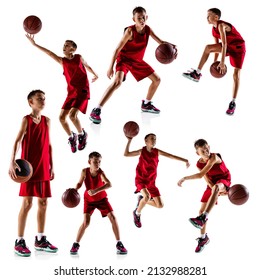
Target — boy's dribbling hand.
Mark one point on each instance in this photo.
(180, 182)
(12, 168)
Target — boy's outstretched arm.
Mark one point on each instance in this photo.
(127, 153)
(48, 52)
(162, 153)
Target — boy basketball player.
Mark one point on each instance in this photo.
(128, 56)
(146, 173)
(33, 136)
(218, 178)
(74, 70)
(95, 197)
(232, 44)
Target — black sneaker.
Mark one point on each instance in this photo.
(192, 75)
(82, 140)
(120, 248)
(95, 115)
(21, 249)
(201, 243)
(149, 108)
(44, 245)
(231, 108)
(73, 143)
(74, 249)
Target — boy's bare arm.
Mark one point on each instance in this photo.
(50, 150)
(17, 144)
(81, 179)
(127, 153)
(48, 52)
(89, 69)
(156, 38)
(174, 157)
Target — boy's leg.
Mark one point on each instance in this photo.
(114, 223)
(195, 74)
(22, 217)
(147, 104)
(63, 121)
(75, 246)
(95, 114)
(232, 104)
(41, 214)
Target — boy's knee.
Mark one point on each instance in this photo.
(160, 205)
(27, 205)
(117, 83)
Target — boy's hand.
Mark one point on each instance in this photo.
(30, 37)
(222, 68)
(180, 182)
(94, 78)
(187, 164)
(12, 168)
(92, 192)
(110, 73)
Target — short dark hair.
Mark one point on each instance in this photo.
(146, 136)
(94, 154)
(138, 9)
(200, 143)
(33, 93)
(74, 45)
(216, 11)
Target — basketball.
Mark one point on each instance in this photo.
(26, 171)
(165, 53)
(32, 24)
(131, 129)
(70, 198)
(214, 71)
(238, 194)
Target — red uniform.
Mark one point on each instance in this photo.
(236, 47)
(98, 200)
(217, 174)
(78, 85)
(35, 149)
(131, 56)
(146, 171)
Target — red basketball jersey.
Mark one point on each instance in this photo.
(218, 172)
(233, 37)
(146, 169)
(93, 183)
(135, 48)
(75, 75)
(35, 149)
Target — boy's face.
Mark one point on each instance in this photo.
(150, 141)
(37, 102)
(68, 49)
(140, 19)
(203, 151)
(211, 17)
(94, 163)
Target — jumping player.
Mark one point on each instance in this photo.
(128, 56)
(232, 44)
(36, 148)
(95, 197)
(146, 173)
(218, 178)
(74, 70)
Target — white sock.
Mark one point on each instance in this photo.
(99, 107)
(203, 235)
(198, 71)
(146, 101)
(81, 133)
(234, 99)
(206, 214)
(39, 236)
(19, 238)
(137, 213)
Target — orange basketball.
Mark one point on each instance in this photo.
(32, 24)
(131, 129)
(70, 198)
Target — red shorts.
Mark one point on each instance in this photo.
(152, 189)
(206, 195)
(236, 55)
(139, 69)
(40, 189)
(77, 100)
(102, 205)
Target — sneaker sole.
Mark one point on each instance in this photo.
(73, 253)
(22, 255)
(190, 78)
(121, 253)
(202, 248)
(152, 112)
(45, 250)
(95, 121)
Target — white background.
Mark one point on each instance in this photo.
(188, 111)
